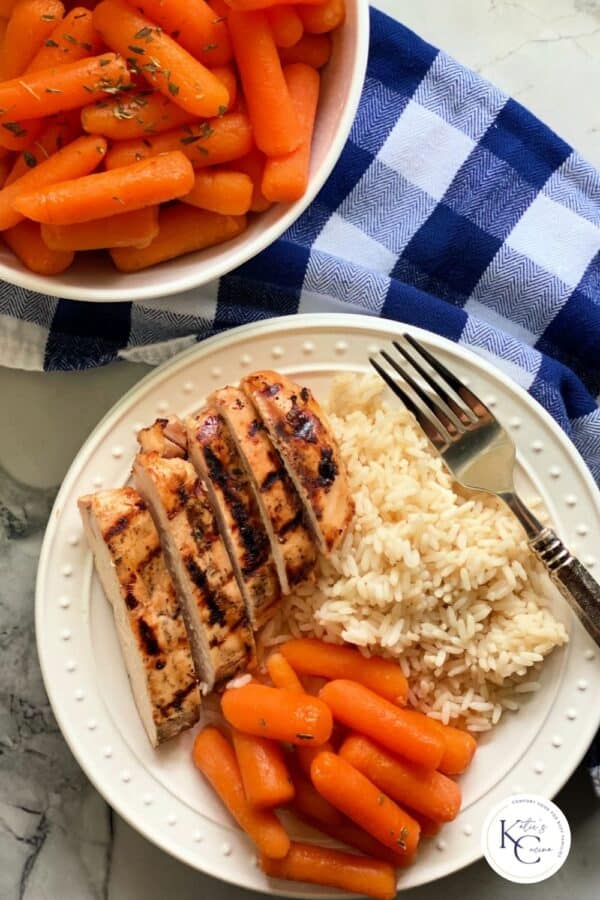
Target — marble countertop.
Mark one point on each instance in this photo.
(58, 839)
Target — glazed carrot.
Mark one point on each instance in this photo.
(73, 38)
(250, 5)
(3, 27)
(58, 131)
(309, 656)
(76, 159)
(286, 177)
(361, 709)
(265, 777)
(134, 115)
(312, 49)
(281, 715)
(227, 77)
(26, 243)
(161, 60)
(209, 143)
(30, 24)
(229, 193)
(358, 798)
(309, 803)
(181, 229)
(60, 88)
(213, 755)
(5, 167)
(334, 868)
(105, 194)
(253, 164)
(429, 792)
(274, 121)
(324, 17)
(286, 25)
(305, 755)
(429, 828)
(6, 8)
(217, 51)
(130, 229)
(350, 834)
(459, 745)
(190, 24)
(281, 673)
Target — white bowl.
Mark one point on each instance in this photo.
(93, 277)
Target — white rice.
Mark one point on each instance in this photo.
(439, 579)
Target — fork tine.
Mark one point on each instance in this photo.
(433, 428)
(454, 387)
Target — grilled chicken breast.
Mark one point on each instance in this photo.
(131, 567)
(166, 437)
(292, 544)
(214, 454)
(215, 615)
(298, 427)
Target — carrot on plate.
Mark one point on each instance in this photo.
(58, 131)
(26, 243)
(459, 745)
(286, 25)
(286, 177)
(312, 49)
(3, 27)
(334, 868)
(30, 24)
(250, 5)
(6, 8)
(281, 673)
(134, 115)
(130, 229)
(229, 193)
(310, 656)
(76, 159)
(73, 38)
(427, 791)
(429, 828)
(210, 143)
(358, 798)
(227, 76)
(274, 713)
(265, 776)
(361, 709)
(217, 51)
(213, 755)
(181, 229)
(274, 120)
(190, 24)
(308, 801)
(350, 834)
(104, 194)
(324, 17)
(305, 755)
(161, 60)
(253, 164)
(6, 164)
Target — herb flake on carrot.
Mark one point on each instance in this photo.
(274, 713)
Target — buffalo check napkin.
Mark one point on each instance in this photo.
(451, 207)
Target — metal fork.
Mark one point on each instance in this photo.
(481, 454)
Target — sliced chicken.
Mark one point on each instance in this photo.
(214, 454)
(292, 544)
(219, 631)
(299, 429)
(166, 437)
(132, 569)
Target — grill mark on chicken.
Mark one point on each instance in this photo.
(130, 600)
(271, 390)
(290, 525)
(148, 638)
(271, 478)
(216, 616)
(119, 526)
(328, 468)
(254, 427)
(179, 697)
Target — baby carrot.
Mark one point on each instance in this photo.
(459, 745)
(253, 164)
(250, 5)
(130, 229)
(58, 131)
(334, 868)
(429, 828)
(281, 715)
(350, 834)
(217, 51)
(309, 803)
(190, 24)
(312, 49)
(274, 121)
(6, 8)
(76, 159)
(286, 25)
(60, 88)
(361, 709)
(161, 60)
(286, 177)
(216, 141)
(324, 17)
(309, 656)
(5, 167)
(229, 193)
(3, 26)
(429, 792)
(305, 755)
(353, 794)
(26, 243)
(265, 777)
(30, 24)
(281, 673)
(72, 38)
(214, 757)
(105, 194)
(134, 115)
(227, 77)
(181, 229)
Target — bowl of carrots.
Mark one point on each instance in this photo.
(148, 147)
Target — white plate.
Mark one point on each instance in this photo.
(158, 792)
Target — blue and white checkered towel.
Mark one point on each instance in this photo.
(451, 207)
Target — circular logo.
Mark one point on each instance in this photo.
(526, 838)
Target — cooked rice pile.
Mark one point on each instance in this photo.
(441, 581)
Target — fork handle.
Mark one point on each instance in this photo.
(573, 580)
